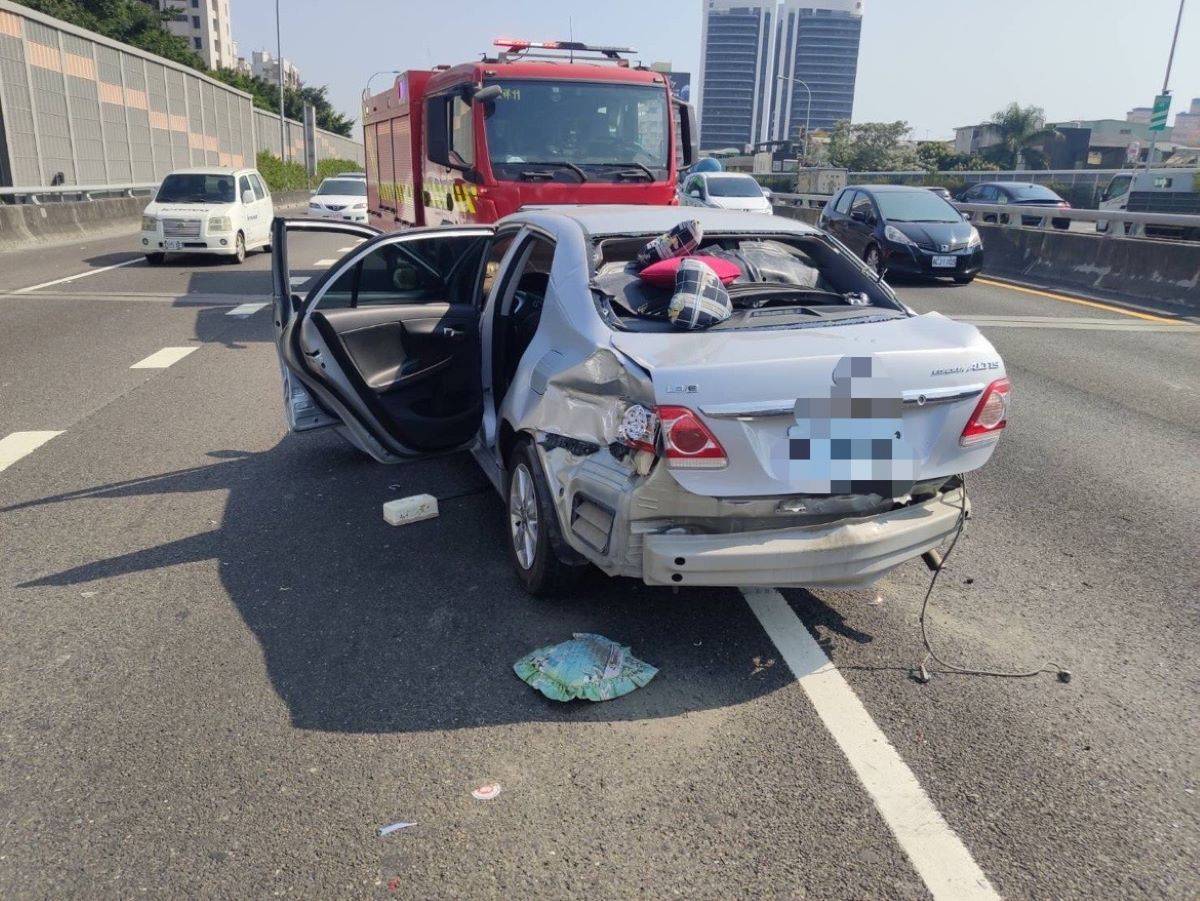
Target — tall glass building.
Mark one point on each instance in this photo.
(748, 45)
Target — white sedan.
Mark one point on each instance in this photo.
(726, 191)
(341, 198)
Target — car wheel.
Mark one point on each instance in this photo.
(266, 248)
(155, 259)
(239, 248)
(964, 279)
(873, 259)
(532, 525)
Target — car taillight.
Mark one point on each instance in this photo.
(687, 442)
(990, 416)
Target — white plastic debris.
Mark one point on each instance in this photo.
(486, 792)
(406, 510)
(394, 827)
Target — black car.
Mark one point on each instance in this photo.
(1020, 193)
(905, 230)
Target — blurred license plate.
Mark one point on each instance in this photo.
(176, 244)
(945, 262)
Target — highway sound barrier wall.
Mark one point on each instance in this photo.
(79, 108)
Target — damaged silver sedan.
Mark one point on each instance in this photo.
(813, 435)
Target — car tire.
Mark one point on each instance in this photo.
(533, 525)
(873, 258)
(239, 249)
(963, 279)
(155, 259)
(266, 248)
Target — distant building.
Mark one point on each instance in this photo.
(204, 24)
(970, 139)
(264, 65)
(1139, 114)
(753, 53)
(1187, 126)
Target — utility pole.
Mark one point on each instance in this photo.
(1166, 89)
(283, 148)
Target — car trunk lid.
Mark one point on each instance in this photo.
(909, 385)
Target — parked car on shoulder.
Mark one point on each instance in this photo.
(810, 431)
(341, 197)
(727, 191)
(1018, 193)
(208, 210)
(905, 230)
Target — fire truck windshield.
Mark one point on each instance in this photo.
(542, 130)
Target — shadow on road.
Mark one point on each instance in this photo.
(370, 628)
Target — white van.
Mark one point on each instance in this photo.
(208, 210)
(1164, 190)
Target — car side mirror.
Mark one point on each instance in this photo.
(483, 95)
(695, 192)
(767, 193)
(247, 197)
(967, 216)
(858, 215)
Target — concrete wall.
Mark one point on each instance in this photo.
(1160, 274)
(100, 112)
(28, 226)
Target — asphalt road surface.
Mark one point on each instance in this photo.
(221, 671)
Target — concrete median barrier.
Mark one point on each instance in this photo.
(1163, 274)
(24, 226)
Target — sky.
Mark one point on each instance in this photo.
(936, 64)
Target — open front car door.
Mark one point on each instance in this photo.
(384, 344)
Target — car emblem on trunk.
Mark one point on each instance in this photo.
(945, 247)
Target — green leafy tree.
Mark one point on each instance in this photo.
(936, 156)
(1020, 128)
(871, 147)
(141, 25)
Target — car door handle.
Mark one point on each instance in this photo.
(450, 331)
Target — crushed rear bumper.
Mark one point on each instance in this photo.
(849, 552)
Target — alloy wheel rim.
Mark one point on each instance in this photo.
(522, 516)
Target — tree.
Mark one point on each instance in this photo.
(140, 25)
(1019, 127)
(871, 147)
(936, 156)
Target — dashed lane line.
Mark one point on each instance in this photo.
(17, 445)
(934, 849)
(161, 359)
(245, 309)
(79, 275)
(1053, 295)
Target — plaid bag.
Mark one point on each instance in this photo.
(700, 300)
(679, 241)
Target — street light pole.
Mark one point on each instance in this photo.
(367, 89)
(1166, 82)
(283, 149)
(808, 114)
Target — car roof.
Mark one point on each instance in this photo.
(727, 175)
(888, 189)
(613, 219)
(208, 170)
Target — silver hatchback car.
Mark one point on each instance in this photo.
(815, 437)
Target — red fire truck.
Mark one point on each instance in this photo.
(538, 123)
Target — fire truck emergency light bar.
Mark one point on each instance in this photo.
(518, 48)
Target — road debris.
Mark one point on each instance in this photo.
(588, 666)
(394, 827)
(486, 792)
(760, 665)
(406, 510)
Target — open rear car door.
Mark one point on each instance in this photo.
(384, 344)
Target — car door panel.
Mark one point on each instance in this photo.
(403, 378)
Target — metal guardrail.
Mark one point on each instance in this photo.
(67, 193)
(1114, 223)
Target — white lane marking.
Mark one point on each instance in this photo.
(15, 446)
(298, 281)
(324, 262)
(161, 359)
(346, 249)
(245, 309)
(1074, 322)
(936, 852)
(78, 275)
